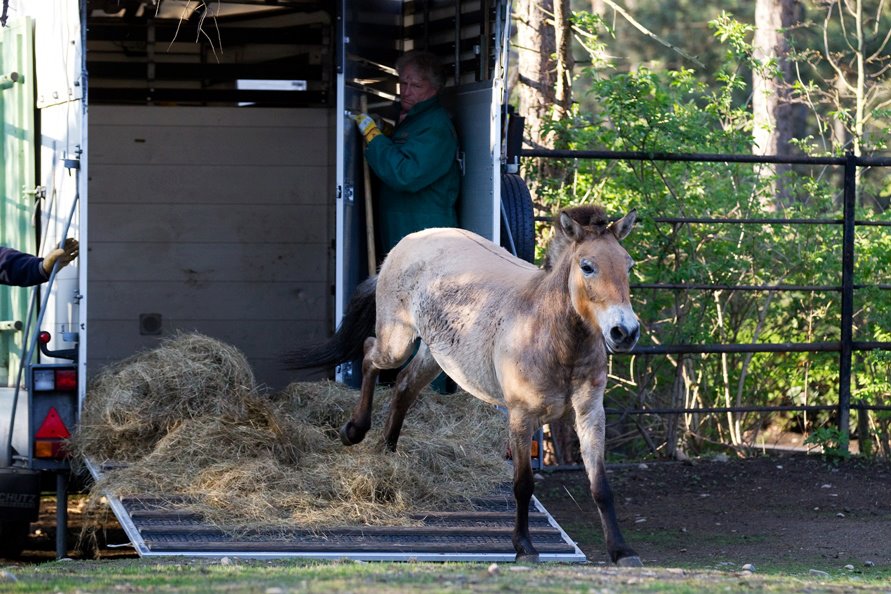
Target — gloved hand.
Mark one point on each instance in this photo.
(386, 127)
(63, 255)
(366, 126)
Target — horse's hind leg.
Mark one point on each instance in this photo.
(591, 429)
(422, 370)
(354, 430)
(387, 351)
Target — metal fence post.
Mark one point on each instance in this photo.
(847, 301)
(863, 429)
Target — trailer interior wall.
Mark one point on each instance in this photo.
(214, 220)
(211, 185)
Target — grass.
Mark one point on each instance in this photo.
(181, 576)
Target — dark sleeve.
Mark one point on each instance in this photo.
(20, 269)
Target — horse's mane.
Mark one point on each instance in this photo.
(593, 220)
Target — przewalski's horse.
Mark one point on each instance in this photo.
(532, 340)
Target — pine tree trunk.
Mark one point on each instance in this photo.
(774, 117)
(563, 55)
(536, 43)
(545, 68)
(545, 91)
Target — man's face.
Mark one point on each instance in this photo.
(413, 88)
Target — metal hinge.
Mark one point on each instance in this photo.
(38, 192)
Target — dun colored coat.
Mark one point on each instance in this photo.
(533, 340)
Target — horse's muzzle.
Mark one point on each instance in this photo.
(623, 337)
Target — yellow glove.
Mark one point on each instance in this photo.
(63, 255)
(366, 126)
(385, 126)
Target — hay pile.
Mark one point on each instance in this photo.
(189, 421)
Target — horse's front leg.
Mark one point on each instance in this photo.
(354, 430)
(591, 429)
(521, 430)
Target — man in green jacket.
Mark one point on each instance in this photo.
(417, 163)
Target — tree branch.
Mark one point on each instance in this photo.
(881, 48)
(828, 54)
(650, 34)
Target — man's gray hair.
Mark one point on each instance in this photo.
(425, 63)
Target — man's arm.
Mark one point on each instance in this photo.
(415, 164)
(24, 270)
(20, 269)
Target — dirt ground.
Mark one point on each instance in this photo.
(760, 511)
(793, 509)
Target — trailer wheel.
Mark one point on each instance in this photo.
(13, 537)
(517, 217)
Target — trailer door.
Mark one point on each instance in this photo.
(472, 41)
(59, 82)
(365, 50)
(18, 177)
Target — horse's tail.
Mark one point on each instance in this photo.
(347, 343)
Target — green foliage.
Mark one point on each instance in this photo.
(733, 33)
(834, 444)
(683, 111)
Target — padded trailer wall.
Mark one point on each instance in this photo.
(212, 219)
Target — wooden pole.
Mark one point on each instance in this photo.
(369, 210)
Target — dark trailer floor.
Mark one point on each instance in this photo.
(154, 529)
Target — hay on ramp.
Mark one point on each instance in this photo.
(247, 460)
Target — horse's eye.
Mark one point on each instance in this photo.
(588, 268)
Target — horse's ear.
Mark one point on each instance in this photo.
(570, 227)
(622, 227)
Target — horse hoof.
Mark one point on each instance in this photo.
(349, 435)
(527, 558)
(633, 561)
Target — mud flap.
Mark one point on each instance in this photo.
(19, 495)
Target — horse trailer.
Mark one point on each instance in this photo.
(202, 154)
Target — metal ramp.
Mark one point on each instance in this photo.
(481, 535)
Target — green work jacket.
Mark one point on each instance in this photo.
(419, 174)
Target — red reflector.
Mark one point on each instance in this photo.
(52, 427)
(66, 379)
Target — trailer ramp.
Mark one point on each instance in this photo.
(156, 528)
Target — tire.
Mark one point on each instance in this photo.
(13, 537)
(517, 221)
